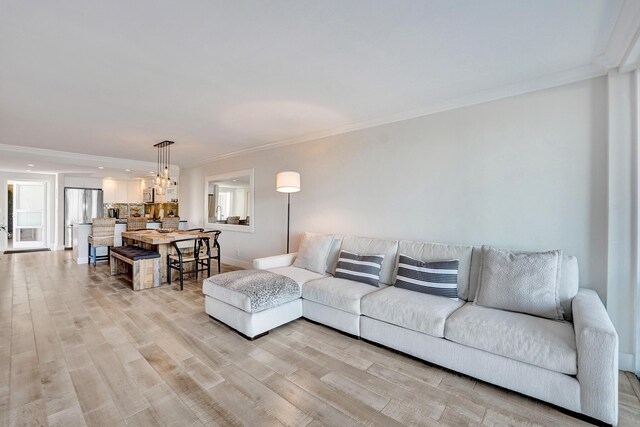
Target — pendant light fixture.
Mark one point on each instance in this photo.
(163, 179)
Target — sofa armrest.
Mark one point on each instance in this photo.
(597, 344)
(276, 261)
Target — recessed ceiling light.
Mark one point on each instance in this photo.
(151, 173)
(28, 170)
(100, 167)
(128, 170)
(31, 165)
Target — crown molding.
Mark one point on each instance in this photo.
(631, 59)
(622, 51)
(595, 69)
(624, 34)
(68, 157)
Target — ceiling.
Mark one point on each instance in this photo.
(218, 77)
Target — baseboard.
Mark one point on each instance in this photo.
(626, 362)
(236, 262)
(82, 260)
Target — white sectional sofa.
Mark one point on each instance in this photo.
(571, 363)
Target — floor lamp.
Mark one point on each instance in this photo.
(288, 182)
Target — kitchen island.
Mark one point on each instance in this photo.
(81, 232)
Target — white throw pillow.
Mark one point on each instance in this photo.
(313, 251)
(521, 282)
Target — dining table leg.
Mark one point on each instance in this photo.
(164, 253)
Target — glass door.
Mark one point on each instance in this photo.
(29, 214)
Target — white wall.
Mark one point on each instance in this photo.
(622, 210)
(82, 181)
(527, 172)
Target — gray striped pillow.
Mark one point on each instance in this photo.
(429, 277)
(359, 268)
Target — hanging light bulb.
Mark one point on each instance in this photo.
(163, 179)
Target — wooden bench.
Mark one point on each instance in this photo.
(143, 264)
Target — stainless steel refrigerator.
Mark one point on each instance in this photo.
(81, 205)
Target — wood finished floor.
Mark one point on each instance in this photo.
(78, 347)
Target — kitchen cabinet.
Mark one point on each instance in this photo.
(172, 194)
(109, 191)
(121, 191)
(134, 191)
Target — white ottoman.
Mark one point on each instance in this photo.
(252, 301)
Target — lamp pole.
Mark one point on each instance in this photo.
(288, 217)
(288, 182)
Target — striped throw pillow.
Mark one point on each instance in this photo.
(359, 268)
(429, 277)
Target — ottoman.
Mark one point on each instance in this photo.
(252, 301)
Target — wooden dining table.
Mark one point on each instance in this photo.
(159, 242)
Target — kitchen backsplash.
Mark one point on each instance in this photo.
(161, 210)
(153, 210)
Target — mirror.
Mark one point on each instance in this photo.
(229, 201)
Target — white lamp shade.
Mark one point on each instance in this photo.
(288, 182)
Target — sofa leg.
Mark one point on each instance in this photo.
(253, 338)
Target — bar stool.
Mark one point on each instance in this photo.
(102, 234)
(171, 222)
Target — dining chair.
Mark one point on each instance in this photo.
(136, 223)
(189, 250)
(102, 234)
(171, 222)
(216, 246)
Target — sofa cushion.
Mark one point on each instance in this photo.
(135, 253)
(569, 280)
(569, 284)
(334, 252)
(540, 342)
(366, 246)
(429, 277)
(338, 293)
(474, 273)
(300, 275)
(425, 251)
(359, 268)
(419, 312)
(522, 282)
(313, 251)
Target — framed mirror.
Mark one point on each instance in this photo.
(229, 201)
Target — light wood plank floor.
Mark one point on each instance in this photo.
(78, 347)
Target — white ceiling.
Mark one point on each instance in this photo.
(112, 78)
